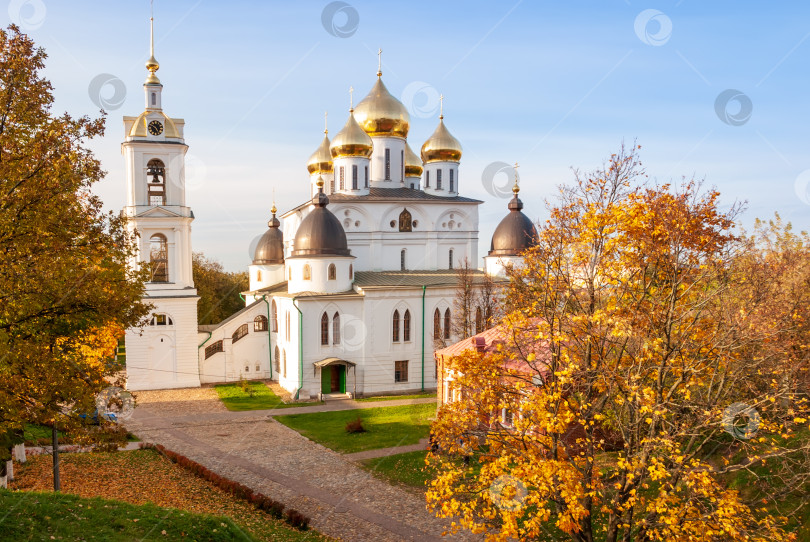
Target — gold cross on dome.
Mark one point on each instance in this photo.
(351, 98)
(441, 106)
(326, 122)
(515, 189)
(379, 62)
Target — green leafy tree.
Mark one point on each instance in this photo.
(218, 289)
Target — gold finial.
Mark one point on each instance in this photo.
(351, 99)
(441, 106)
(319, 183)
(152, 64)
(516, 188)
(326, 122)
(379, 62)
(273, 208)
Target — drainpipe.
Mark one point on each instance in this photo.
(300, 348)
(269, 336)
(424, 288)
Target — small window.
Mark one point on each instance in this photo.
(240, 332)
(427, 179)
(387, 164)
(406, 326)
(366, 177)
(447, 323)
(402, 259)
(336, 329)
(247, 368)
(452, 184)
(213, 349)
(154, 98)
(159, 258)
(412, 186)
(260, 323)
(274, 316)
(438, 179)
(332, 184)
(307, 272)
(507, 417)
(342, 181)
(402, 163)
(351, 272)
(258, 368)
(395, 329)
(401, 371)
(354, 177)
(277, 360)
(437, 324)
(332, 272)
(259, 275)
(450, 259)
(324, 330)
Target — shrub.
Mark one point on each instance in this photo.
(355, 426)
(297, 520)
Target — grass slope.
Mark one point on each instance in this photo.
(262, 397)
(406, 469)
(395, 397)
(48, 516)
(385, 427)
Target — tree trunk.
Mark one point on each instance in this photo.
(55, 441)
(3, 477)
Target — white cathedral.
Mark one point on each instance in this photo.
(351, 296)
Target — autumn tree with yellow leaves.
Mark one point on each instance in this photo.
(66, 290)
(638, 376)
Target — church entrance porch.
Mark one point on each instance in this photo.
(333, 377)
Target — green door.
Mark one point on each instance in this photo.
(342, 369)
(326, 380)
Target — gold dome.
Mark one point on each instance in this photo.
(441, 146)
(321, 159)
(380, 114)
(413, 164)
(351, 140)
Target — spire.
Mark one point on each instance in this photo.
(351, 99)
(152, 64)
(516, 188)
(441, 106)
(326, 122)
(379, 62)
(515, 204)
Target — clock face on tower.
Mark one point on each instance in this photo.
(155, 127)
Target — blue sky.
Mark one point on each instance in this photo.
(552, 85)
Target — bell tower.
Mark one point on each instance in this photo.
(164, 353)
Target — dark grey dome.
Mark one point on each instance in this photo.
(515, 233)
(270, 248)
(320, 233)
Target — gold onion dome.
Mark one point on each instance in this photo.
(380, 114)
(413, 164)
(351, 140)
(321, 159)
(441, 146)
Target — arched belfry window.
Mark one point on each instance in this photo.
(447, 323)
(324, 329)
(406, 326)
(336, 329)
(154, 98)
(405, 220)
(156, 182)
(437, 324)
(395, 327)
(159, 258)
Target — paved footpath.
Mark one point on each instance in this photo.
(343, 500)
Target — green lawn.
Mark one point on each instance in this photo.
(395, 397)
(385, 427)
(48, 516)
(263, 397)
(407, 469)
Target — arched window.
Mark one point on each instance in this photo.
(274, 316)
(351, 272)
(438, 179)
(259, 275)
(387, 164)
(332, 271)
(324, 329)
(307, 272)
(406, 326)
(395, 328)
(447, 323)
(156, 182)
(450, 259)
(437, 324)
(159, 257)
(479, 321)
(402, 165)
(154, 98)
(277, 360)
(402, 259)
(354, 177)
(342, 180)
(452, 183)
(336, 329)
(240, 332)
(405, 221)
(427, 179)
(366, 177)
(332, 184)
(260, 323)
(161, 320)
(284, 363)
